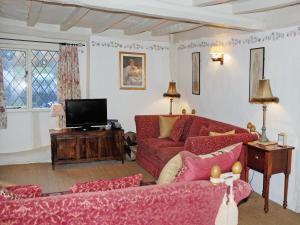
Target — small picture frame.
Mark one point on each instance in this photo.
(132, 68)
(282, 139)
(196, 73)
(256, 69)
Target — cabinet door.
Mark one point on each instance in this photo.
(88, 147)
(66, 147)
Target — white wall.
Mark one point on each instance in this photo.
(225, 90)
(104, 78)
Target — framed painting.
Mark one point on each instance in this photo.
(196, 73)
(132, 70)
(256, 71)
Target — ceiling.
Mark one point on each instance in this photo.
(159, 17)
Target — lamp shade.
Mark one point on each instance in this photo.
(57, 110)
(172, 92)
(264, 93)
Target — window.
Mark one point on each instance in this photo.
(30, 77)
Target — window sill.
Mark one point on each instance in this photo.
(27, 110)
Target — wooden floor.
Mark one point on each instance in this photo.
(64, 176)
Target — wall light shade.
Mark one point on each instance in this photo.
(217, 54)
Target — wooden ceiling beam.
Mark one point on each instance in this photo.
(111, 20)
(34, 13)
(147, 25)
(74, 18)
(163, 10)
(171, 27)
(261, 6)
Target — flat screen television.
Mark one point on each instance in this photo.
(86, 113)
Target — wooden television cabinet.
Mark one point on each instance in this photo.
(71, 146)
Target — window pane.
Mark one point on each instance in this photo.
(44, 65)
(15, 82)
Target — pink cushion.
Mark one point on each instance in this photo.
(197, 124)
(7, 195)
(177, 129)
(187, 126)
(198, 167)
(204, 131)
(105, 185)
(26, 191)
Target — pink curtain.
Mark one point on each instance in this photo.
(3, 116)
(68, 85)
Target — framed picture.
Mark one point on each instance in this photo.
(256, 72)
(196, 73)
(132, 70)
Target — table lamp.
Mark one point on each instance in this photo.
(264, 96)
(172, 93)
(57, 110)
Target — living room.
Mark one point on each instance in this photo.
(191, 27)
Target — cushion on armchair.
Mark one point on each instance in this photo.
(166, 124)
(7, 195)
(178, 129)
(198, 167)
(105, 185)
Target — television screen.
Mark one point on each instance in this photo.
(86, 112)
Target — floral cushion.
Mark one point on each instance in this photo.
(198, 167)
(105, 185)
(26, 191)
(7, 195)
(177, 129)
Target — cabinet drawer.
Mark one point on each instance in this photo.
(256, 159)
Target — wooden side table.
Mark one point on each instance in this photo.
(269, 160)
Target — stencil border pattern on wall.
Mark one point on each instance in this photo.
(135, 46)
(252, 39)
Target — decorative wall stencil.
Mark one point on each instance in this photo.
(256, 71)
(133, 46)
(196, 73)
(132, 71)
(252, 39)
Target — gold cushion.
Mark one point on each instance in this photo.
(211, 133)
(166, 124)
(170, 170)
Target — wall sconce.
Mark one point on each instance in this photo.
(217, 54)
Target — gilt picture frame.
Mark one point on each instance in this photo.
(196, 73)
(132, 69)
(256, 69)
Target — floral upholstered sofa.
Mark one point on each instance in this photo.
(153, 153)
(190, 203)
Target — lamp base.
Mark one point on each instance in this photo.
(266, 143)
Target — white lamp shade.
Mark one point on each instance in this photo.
(57, 110)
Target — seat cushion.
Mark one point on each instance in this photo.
(152, 145)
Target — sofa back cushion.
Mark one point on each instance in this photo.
(166, 124)
(198, 167)
(105, 185)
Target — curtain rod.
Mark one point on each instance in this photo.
(48, 42)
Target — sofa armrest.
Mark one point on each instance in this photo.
(147, 126)
(206, 144)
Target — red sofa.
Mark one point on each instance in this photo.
(153, 153)
(180, 203)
